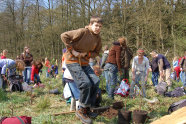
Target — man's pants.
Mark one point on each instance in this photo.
(111, 72)
(167, 73)
(139, 80)
(87, 82)
(183, 78)
(154, 78)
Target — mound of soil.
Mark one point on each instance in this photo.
(118, 105)
(110, 113)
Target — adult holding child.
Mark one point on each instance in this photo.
(27, 57)
(83, 44)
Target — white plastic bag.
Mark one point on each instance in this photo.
(26, 87)
(123, 89)
(66, 91)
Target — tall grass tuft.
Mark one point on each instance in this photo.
(43, 103)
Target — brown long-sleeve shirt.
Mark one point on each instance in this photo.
(114, 55)
(81, 40)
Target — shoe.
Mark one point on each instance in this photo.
(82, 115)
(41, 85)
(35, 86)
(90, 113)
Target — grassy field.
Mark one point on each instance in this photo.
(41, 105)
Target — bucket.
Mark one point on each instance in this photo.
(139, 116)
(124, 117)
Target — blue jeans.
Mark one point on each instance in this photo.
(106, 75)
(183, 78)
(47, 74)
(74, 90)
(154, 78)
(86, 81)
(111, 71)
(27, 74)
(139, 80)
(37, 78)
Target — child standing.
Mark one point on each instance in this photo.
(27, 57)
(83, 44)
(47, 65)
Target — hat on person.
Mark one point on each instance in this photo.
(140, 50)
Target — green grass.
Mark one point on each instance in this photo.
(45, 105)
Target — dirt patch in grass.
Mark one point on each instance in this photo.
(110, 113)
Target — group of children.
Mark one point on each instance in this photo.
(24, 65)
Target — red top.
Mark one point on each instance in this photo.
(3, 57)
(47, 64)
(34, 71)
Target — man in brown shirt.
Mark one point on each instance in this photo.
(83, 44)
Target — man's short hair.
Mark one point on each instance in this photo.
(154, 52)
(96, 19)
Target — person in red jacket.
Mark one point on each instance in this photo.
(4, 54)
(36, 67)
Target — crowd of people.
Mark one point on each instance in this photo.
(82, 66)
(25, 65)
(82, 47)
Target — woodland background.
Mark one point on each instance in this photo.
(150, 24)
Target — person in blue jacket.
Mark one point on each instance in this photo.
(11, 66)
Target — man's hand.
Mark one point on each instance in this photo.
(82, 54)
(75, 53)
(161, 74)
(78, 54)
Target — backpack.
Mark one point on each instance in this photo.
(125, 57)
(176, 105)
(161, 88)
(15, 120)
(176, 92)
(15, 83)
